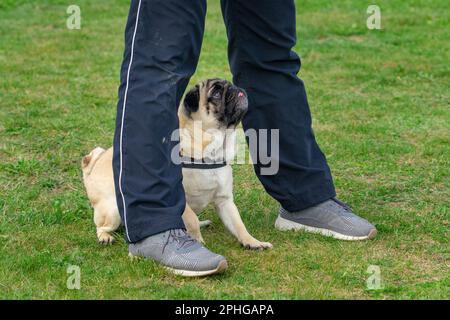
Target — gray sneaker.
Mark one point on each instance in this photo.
(179, 253)
(330, 218)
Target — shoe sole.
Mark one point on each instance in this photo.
(285, 225)
(221, 267)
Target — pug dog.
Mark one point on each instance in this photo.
(208, 117)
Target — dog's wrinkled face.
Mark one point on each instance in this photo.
(217, 103)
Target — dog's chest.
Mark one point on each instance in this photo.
(202, 186)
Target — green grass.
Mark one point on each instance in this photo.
(380, 101)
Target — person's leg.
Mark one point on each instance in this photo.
(261, 36)
(162, 46)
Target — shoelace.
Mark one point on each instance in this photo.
(342, 204)
(180, 236)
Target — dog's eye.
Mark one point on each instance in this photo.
(216, 94)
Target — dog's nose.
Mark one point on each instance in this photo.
(240, 93)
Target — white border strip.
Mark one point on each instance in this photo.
(123, 117)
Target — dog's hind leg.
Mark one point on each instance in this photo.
(205, 223)
(107, 220)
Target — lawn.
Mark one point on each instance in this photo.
(380, 102)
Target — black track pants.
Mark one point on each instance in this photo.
(162, 46)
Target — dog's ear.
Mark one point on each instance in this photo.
(86, 160)
(192, 100)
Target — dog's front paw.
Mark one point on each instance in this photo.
(105, 238)
(199, 238)
(196, 235)
(253, 244)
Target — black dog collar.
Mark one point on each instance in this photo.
(192, 163)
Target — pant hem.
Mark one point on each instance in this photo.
(147, 230)
(309, 199)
